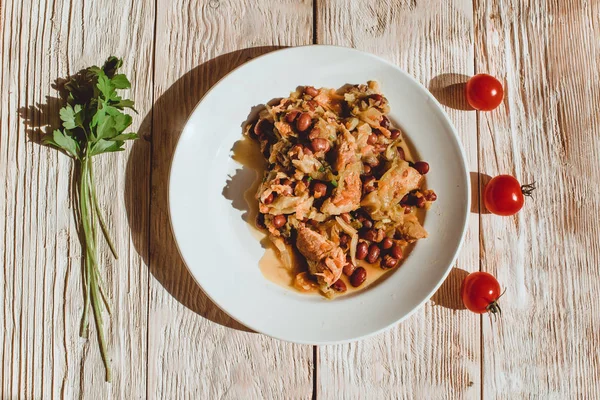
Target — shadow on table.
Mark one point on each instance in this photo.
(160, 130)
(449, 89)
(478, 183)
(448, 295)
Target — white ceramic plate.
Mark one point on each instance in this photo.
(221, 252)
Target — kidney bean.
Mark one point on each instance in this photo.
(408, 200)
(319, 189)
(339, 286)
(291, 116)
(367, 223)
(320, 144)
(396, 251)
(358, 277)
(369, 184)
(388, 262)
(269, 199)
(303, 122)
(401, 153)
(386, 243)
(369, 234)
(279, 221)
(421, 202)
(430, 196)
(407, 209)
(385, 122)
(422, 167)
(362, 249)
(344, 239)
(372, 139)
(311, 91)
(376, 97)
(367, 169)
(348, 269)
(263, 127)
(395, 134)
(374, 252)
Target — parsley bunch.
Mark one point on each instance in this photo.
(93, 123)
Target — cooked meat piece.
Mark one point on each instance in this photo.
(345, 152)
(393, 185)
(363, 131)
(346, 197)
(328, 270)
(325, 259)
(411, 229)
(312, 245)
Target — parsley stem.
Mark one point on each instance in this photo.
(87, 248)
(100, 326)
(100, 283)
(93, 269)
(99, 213)
(93, 293)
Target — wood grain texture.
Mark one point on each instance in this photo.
(547, 343)
(435, 353)
(166, 339)
(195, 350)
(41, 295)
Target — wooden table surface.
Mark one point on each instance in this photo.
(166, 339)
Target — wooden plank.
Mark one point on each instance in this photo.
(436, 353)
(41, 295)
(195, 350)
(547, 343)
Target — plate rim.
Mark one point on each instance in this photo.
(465, 221)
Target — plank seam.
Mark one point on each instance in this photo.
(149, 227)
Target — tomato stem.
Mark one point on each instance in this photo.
(528, 189)
(494, 308)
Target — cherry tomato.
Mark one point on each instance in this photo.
(484, 92)
(504, 195)
(480, 292)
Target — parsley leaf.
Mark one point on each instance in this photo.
(106, 146)
(120, 81)
(106, 128)
(63, 142)
(125, 136)
(71, 116)
(106, 87)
